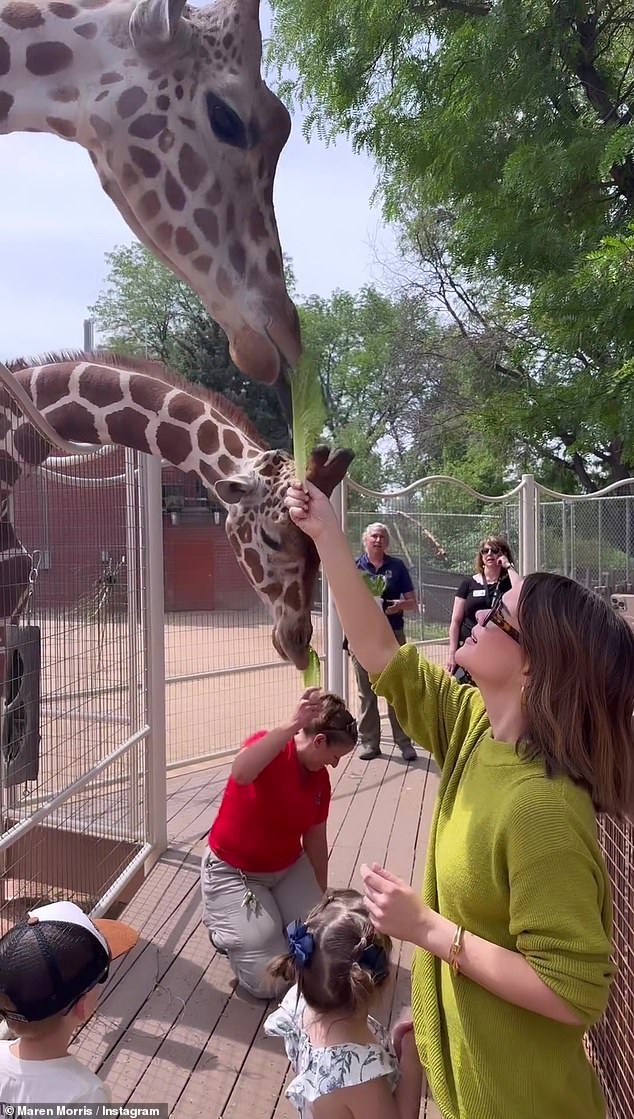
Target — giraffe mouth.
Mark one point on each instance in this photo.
(292, 646)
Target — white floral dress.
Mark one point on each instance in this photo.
(322, 1070)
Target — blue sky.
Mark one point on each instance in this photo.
(56, 224)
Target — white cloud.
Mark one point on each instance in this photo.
(56, 225)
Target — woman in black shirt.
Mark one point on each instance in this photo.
(495, 574)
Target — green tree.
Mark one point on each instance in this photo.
(144, 309)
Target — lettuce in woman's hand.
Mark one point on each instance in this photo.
(376, 584)
(312, 674)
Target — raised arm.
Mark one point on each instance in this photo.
(255, 756)
(369, 634)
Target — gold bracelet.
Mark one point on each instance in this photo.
(456, 949)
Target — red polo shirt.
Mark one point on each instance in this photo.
(259, 827)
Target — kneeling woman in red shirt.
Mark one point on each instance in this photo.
(267, 863)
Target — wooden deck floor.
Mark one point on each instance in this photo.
(172, 1027)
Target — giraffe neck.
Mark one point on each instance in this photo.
(57, 61)
(91, 403)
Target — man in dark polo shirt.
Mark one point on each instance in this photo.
(398, 598)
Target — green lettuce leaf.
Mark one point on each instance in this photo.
(309, 413)
(312, 674)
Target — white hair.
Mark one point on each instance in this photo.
(370, 528)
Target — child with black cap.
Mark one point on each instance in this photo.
(52, 968)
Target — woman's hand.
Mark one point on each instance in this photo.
(394, 907)
(308, 709)
(309, 508)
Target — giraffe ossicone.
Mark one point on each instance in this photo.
(184, 134)
(106, 399)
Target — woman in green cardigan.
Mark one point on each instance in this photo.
(514, 927)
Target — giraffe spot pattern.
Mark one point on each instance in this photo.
(32, 447)
(231, 218)
(65, 93)
(110, 77)
(191, 168)
(101, 127)
(225, 465)
(273, 266)
(164, 234)
(102, 96)
(63, 11)
(6, 101)
(202, 263)
(208, 440)
(232, 441)
(72, 421)
(128, 427)
(174, 192)
(5, 57)
(252, 560)
(129, 177)
(178, 93)
(292, 598)
(237, 257)
(272, 591)
(245, 532)
(185, 408)
(208, 472)
(48, 390)
(86, 30)
(91, 4)
(185, 241)
(162, 103)
(44, 59)
(148, 126)
(254, 277)
(20, 15)
(147, 392)
(64, 128)
(207, 223)
(214, 194)
(149, 205)
(148, 163)
(130, 101)
(174, 442)
(257, 225)
(100, 387)
(223, 283)
(166, 140)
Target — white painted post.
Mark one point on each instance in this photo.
(336, 674)
(155, 772)
(135, 682)
(529, 525)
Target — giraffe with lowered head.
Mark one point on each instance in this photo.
(185, 137)
(103, 399)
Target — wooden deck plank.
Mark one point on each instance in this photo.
(174, 1028)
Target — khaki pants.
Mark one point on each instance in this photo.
(253, 935)
(369, 722)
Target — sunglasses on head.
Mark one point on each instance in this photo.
(497, 617)
(490, 549)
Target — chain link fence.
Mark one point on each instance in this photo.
(436, 525)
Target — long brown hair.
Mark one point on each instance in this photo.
(579, 691)
(337, 976)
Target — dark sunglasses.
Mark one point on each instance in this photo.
(497, 617)
(490, 551)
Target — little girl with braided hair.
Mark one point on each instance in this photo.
(346, 1064)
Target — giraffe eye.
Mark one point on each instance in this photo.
(226, 125)
(275, 545)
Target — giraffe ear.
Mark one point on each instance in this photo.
(326, 470)
(243, 488)
(154, 23)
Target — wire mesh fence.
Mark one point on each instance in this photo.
(73, 774)
(436, 526)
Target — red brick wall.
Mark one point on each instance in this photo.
(77, 527)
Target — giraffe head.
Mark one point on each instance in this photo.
(184, 134)
(279, 560)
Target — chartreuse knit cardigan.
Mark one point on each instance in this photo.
(513, 857)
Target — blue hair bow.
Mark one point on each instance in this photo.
(301, 943)
(374, 959)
